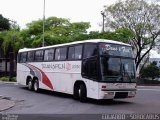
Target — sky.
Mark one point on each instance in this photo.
(26, 11)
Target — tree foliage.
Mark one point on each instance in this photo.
(141, 18)
(151, 71)
(12, 41)
(121, 34)
(4, 23)
(57, 30)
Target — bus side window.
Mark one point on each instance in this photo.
(90, 50)
(30, 56)
(75, 53)
(19, 58)
(57, 54)
(89, 69)
(85, 68)
(78, 52)
(93, 69)
(49, 54)
(39, 55)
(61, 53)
(23, 57)
(71, 55)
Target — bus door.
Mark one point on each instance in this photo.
(90, 72)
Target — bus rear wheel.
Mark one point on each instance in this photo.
(30, 84)
(36, 86)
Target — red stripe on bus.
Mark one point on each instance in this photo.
(45, 79)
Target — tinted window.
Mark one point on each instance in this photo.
(110, 68)
(117, 69)
(71, 55)
(93, 69)
(78, 52)
(61, 53)
(19, 57)
(85, 68)
(39, 55)
(75, 52)
(30, 56)
(23, 57)
(89, 69)
(90, 50)
(49, 54)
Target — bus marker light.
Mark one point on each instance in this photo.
(103, 86)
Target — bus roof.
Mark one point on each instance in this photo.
(77, 42)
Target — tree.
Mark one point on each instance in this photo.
(140, 17)
(57, 30)
(151, 71)
(11, 42)
(121, 34)
(4, 23)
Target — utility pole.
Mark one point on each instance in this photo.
(103, 16)
(43, 23)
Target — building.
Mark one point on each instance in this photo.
(7, 64)
(154, 57)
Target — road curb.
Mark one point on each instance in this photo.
(148, 86)
(6, 82)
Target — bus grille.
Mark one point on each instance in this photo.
(121, 95)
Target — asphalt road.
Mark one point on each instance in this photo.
(147, 100)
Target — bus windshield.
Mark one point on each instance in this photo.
(117, 63)
(117, 69)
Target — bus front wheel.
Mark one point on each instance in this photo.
(82, 93)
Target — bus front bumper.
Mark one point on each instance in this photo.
(117, 94)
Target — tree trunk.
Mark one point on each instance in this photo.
(6, 66)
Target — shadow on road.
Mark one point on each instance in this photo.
(89, 100)
(108, 102)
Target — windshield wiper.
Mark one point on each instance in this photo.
(125, 73)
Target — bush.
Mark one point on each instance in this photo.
(7, 78)
(144, 81)
(4, 78)
(151, 81)
(151, 71)
(13, 79)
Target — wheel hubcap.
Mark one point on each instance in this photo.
(79, 91)
(35, 86)
(29, 85)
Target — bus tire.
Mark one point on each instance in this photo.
(76, 92)
(36, 86)
(82, 93)
(30, 84)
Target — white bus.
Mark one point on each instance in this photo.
(98, 69)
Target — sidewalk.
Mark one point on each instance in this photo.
(6, 103)
(154, 87)
(7, 82)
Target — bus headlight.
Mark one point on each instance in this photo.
(109, 93)
(131, 94)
